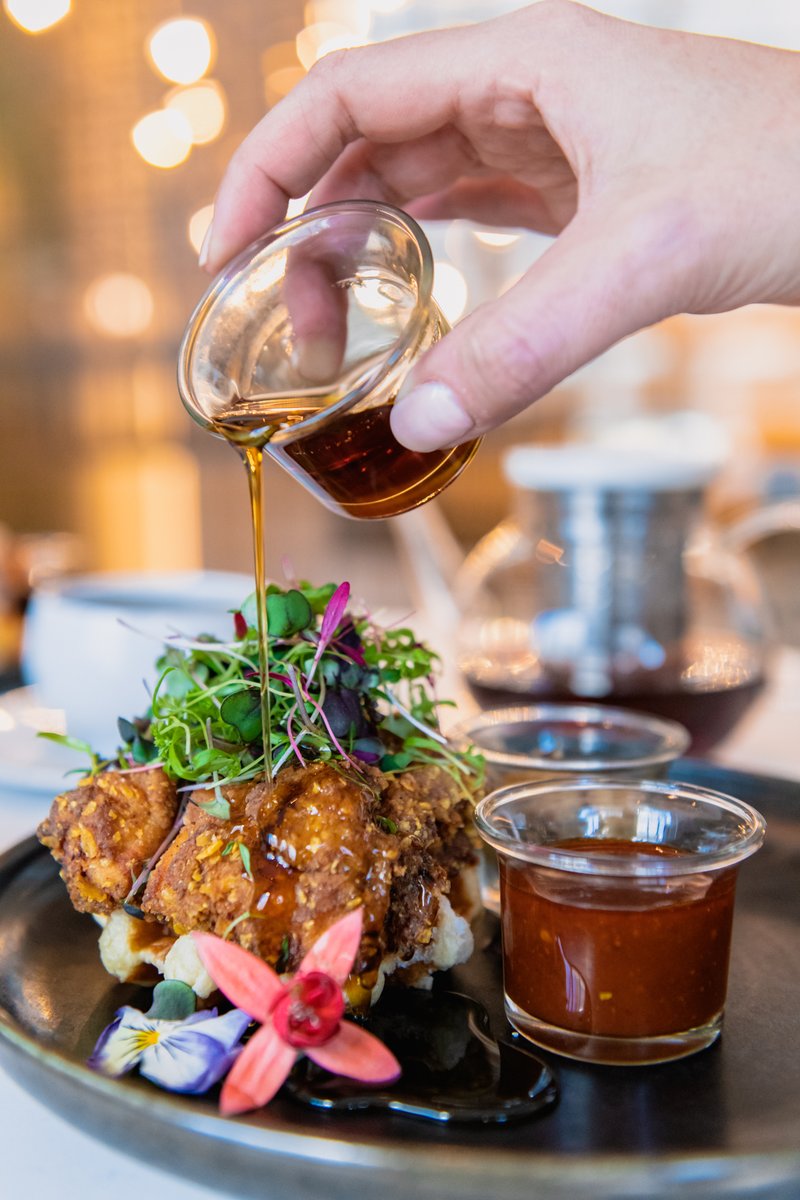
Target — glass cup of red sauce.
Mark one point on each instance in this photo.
(616, 911)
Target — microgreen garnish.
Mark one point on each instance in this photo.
(218, 807)
(341, 688)
(283, 957)
(387, 824)
(97, 762)
(244, 855)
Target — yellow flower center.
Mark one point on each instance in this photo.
(145, 1038)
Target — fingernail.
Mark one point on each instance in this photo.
(206, 246)
(430, 416)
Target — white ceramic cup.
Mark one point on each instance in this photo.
(91, 642)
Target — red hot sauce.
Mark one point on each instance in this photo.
(618, 957)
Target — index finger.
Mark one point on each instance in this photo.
(389, 92)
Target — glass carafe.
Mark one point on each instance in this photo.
(607, 584)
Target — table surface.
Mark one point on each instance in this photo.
(44, 1154)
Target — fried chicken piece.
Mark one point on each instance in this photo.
(104, 831)
(293, 859)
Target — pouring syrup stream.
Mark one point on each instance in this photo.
(252, 456)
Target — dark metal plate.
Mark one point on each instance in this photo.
(724, 1123)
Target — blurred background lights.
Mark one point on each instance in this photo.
(354, 14)
(490, 237)
(279, 83)
(281, 69)
(203, 105)
(386, 6)
(118, 305)
(315, 41)
(163, 138)
(36, 15)
(507, 284)
(449, 290)
(182, 50)
(198, 224)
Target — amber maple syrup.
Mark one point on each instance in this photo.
(354, 462)
(356, 467)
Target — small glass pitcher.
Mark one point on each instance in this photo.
(301, 344)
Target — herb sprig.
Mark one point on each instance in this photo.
(341, 688)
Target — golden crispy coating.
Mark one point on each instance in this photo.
(282, 867)
(103, 832)
(293, 859)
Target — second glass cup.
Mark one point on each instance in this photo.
(301, 345)
(541, 741)
(616, 912)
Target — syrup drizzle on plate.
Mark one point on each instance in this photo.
(454, 1070)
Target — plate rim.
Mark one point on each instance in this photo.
(649, 1174)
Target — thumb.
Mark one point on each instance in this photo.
(601, 279)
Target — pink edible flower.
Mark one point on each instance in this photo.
(300, 1016)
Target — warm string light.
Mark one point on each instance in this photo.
(449, 290)
(118, 305)
(182, 50)
(194, 113)
(34, 16)
(355, 15)
(163, 138)
(203, 105)
(495, 239)
(198, 226)
(315, 41)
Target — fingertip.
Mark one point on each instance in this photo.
(430, 416)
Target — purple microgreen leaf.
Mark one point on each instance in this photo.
(334, 612)
(331, 620)
(293, 742)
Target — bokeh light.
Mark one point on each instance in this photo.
(449, 290)
(354, 14)
(203, 105)
(163, 138)
(315, 41)
(34, 16)
(497, 241)
(118, 305)
(386, 6)
(182, 50)
(198, 224)
(280, 82)
(282, 70)
(509, 283)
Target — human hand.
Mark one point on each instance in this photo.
(666, 163)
